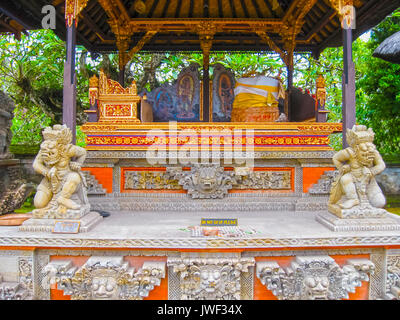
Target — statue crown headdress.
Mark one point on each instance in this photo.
(359, 134)
(59, 133)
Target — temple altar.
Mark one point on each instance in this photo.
(128, 216)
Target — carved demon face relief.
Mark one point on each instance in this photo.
(104, 285)
(314, 277)
(206, 178)
(316, 287)
(211, 278)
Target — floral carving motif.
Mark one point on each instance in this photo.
(210, 278)
(393, 278)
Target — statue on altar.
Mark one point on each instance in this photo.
(355, 192)
(62, 193)
(185, 96)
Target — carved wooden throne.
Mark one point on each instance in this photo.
(110, 102)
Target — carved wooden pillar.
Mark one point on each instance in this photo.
(320, 100)
(121, 78)
(69, 91)
(206, 32)
(206, 88)
(348, 85)
(123, 46)
(290, 72)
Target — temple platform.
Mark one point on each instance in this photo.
(265, 244)
(171, 230)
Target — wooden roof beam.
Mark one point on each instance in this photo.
(121, 6)
(321, 23)
(146, 38)
(93, 25)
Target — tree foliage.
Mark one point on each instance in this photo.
(380, 83)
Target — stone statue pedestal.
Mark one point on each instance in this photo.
(386, 222)
(87, 222)
(364, 210)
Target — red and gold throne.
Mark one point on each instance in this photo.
(112, 103)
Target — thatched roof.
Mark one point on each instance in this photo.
(389, 49)
(174, 21)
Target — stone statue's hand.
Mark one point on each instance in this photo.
(75, 166)
(345, 169)
(368, 172)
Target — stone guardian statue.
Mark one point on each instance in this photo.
(61, 194)
(355, 192)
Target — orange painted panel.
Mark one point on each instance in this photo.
(311, 176)
(262, 293)
(104, 176)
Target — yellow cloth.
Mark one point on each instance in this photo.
(265, 88)
(247, 100)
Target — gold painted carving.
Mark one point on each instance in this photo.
(206, 31)
(93, 89)
(72, 9)
(321, 90)
(115, 101)
(346, 11)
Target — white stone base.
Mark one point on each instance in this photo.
(46, 225)
(335, 223)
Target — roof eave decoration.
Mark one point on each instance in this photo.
(72, 10)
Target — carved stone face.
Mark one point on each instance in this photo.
(210, 279)
(316, 287)
(365, 153)
(206, 179)
(104, 286)
(50, 152)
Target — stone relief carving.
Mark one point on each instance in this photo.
(355, 192)
(393, 278)
(62, 192)
(271, 180)
(324, 184)
(104, 278)
(21, 289)
(206, 181)
(314, 278)
(210, 278)
(93, 186)
(140, 180)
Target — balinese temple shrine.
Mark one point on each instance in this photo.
(210, 187)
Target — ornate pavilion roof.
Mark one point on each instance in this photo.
(175, 25)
